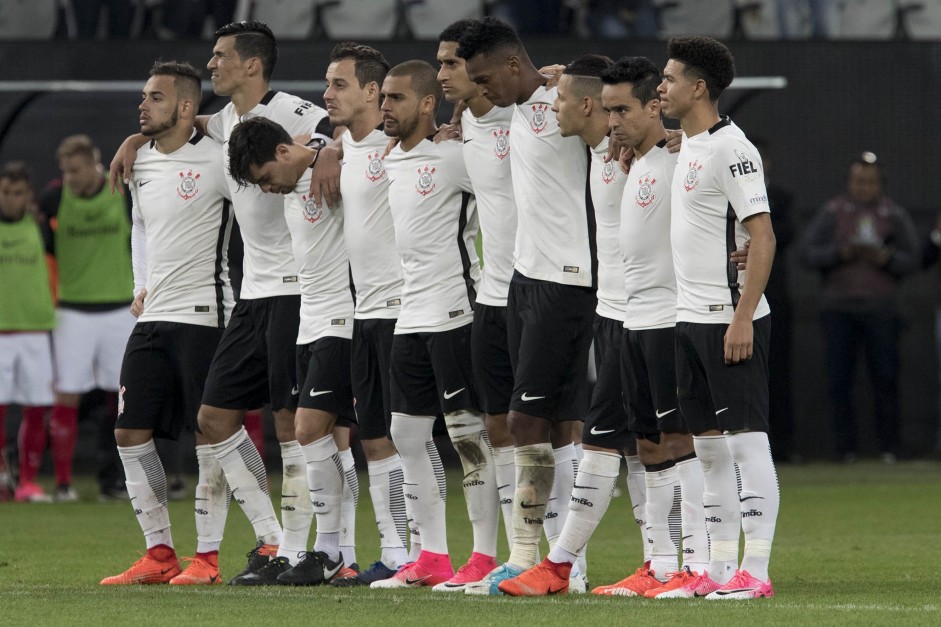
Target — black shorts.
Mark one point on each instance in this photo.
(323, 367)
(432, 373)
(162, 376)
(255, 361)
(648, 367)
(371, 355)
(606, 424)
(549, 332)
(493, 371)
(713, 395)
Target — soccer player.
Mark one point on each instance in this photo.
(354, 79)
(91, 243)
(486, 147)
(181, 225)
(26, 318)
(551, 301)
(718, 200)
(430, 195)
(262, 153)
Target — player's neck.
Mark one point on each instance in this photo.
(426, 128)
(364, 124)
(248, 96)
(479, 106)
(174, 139)
(529, 83)
(700, 118)
(301, 158)
(596, 129)
(654, 137)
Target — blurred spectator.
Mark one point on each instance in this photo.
(922, 18)
(931, 255)
(28, 19)
(26, 317)
(531, 17)
(875, 19)
(864, 244)
(799, 19)
(91, 242)
(427, 18)
(87, 17)
(186, 19)
(755, 19)
(292, 19)
(354, 19)
(615, 19)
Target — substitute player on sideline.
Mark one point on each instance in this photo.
(181, 226)
(262, 153)
(552, 293)
(722, 321)
(435, 218)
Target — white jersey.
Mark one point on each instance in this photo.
(649, 279)
(718, 183)
(269, 268)
(435, 227)
(606, 181)
(556, 236)
(181, 225)
(368, 228)
(487, 157)
(322, 264)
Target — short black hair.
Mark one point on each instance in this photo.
(454, 31)
(186, 78)
(640, 72)
(254, 143)
(424, 78)
(370, 65)
(705, 58)
(15, 171)
(253, 39)
(487, 35)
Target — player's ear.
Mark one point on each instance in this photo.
(372, 91)
(514, 63)
(282, 151)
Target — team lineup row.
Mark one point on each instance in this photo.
(380, 297)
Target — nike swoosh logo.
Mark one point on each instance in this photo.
(330, 574)
(583, 487)
(531, 505)
(721, 410)
(467, 141)
(313, 393)
(450, 395)
(722, 593)
(311, 489)
(684, 537)
(748, 498)
(213, 578)
(142, 183)
(594, 431)
(669, 411)
(294, 391)
(708, 506)
(503, 486)
(525, 397)
(412, 582)
(166, 570)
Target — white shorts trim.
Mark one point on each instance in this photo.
(26, 369)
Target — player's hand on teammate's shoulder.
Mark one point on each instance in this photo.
(674, 139)
(448, 132)
(553, 73)
(122, 165)
(137, 307)
(325, 177)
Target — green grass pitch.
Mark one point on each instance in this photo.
(855, 545)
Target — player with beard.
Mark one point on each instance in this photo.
(181, 225)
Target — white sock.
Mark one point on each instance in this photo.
(695, 538)
(468, 433)
(760, 498)
(325, 477)
(557, 510)
(506, 485)
(660, 492)
(245, 473)
(147, 487)
(212, 501)
(424, 478)
(385, 489)
(296, 510)
(535, 474)
(637, 491)
(579, 451)
(348, 507)
(597, 476)
(720, 501)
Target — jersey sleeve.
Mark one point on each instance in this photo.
(741, 178)
(302, 117)
(452, 153)
(215, 128)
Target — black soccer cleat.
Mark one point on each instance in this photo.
(313, 570)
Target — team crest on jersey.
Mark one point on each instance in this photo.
(312, 213)
(375, 169)
(692, 176)
(539, 122)
(426, 182)
(607, 172)
(501, 147)
(645, 194)
(121, 400)
(188, 187)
